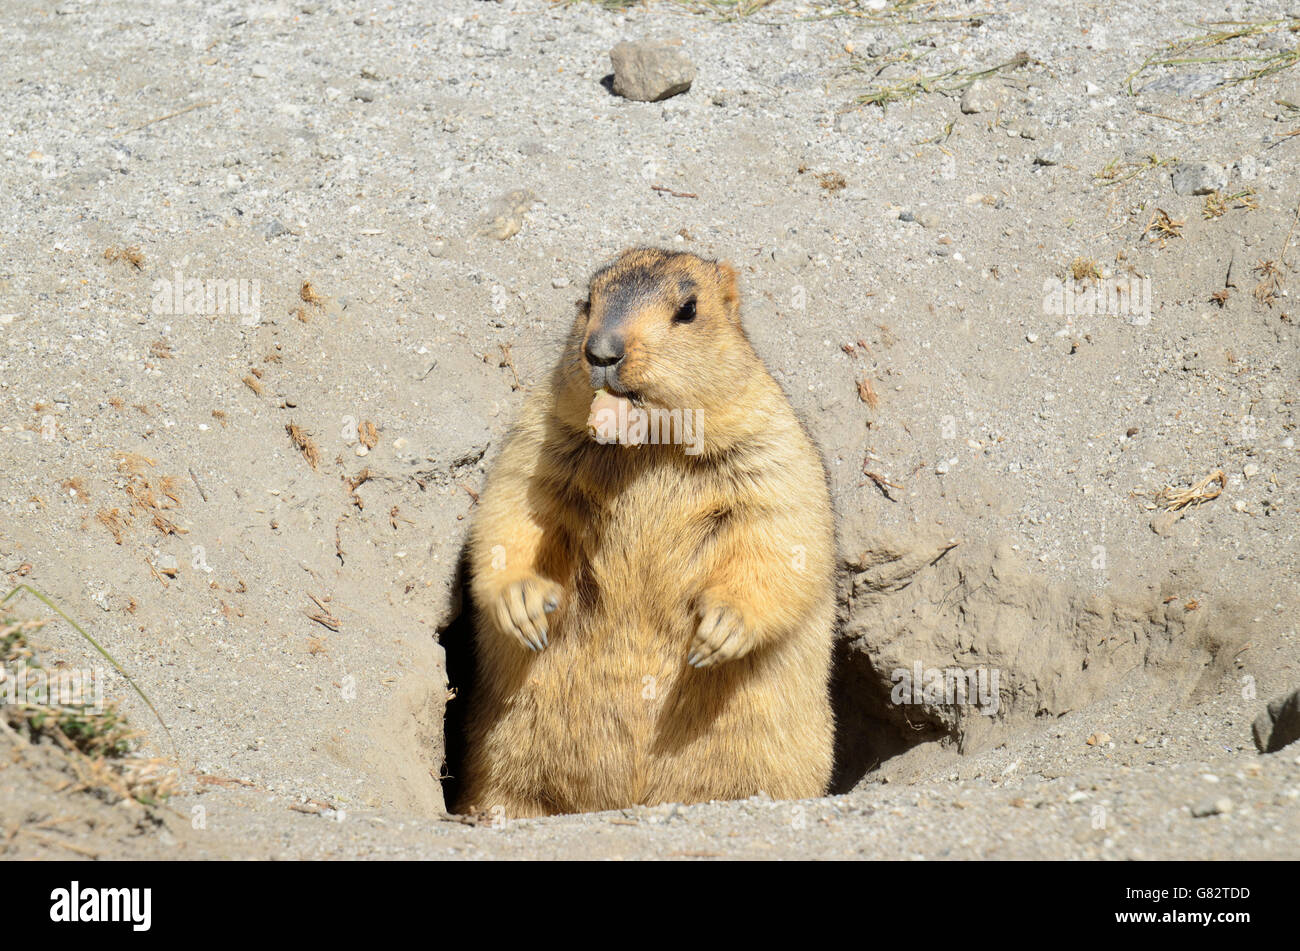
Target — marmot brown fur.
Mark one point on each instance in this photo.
(653, 618)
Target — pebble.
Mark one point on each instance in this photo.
(1163, 523)
(1052, 155)
(980, 96)
(1199, 178)
(1212, 807)
(504, 215)
(1279, 725)
(651, 70)
(1180, 83)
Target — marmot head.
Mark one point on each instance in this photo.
(662, 329)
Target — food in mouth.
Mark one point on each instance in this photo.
(613, 419)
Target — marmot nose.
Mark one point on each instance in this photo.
(604, 349)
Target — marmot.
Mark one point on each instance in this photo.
(653, 618)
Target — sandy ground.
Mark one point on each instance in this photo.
(360, 152)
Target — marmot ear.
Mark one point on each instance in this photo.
(730, 290)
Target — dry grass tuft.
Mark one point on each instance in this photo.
(59, 706)
(1195, 495)
(1085, 269)
(131, 256)
(303, 443)
(1161, 227)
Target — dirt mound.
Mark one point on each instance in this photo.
(941, 641)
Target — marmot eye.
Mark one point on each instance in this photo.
(686, 313)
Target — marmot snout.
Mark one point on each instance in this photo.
(651, 566)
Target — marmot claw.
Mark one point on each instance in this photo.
(523, 607)
(721, 636)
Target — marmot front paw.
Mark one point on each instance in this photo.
(721, 636)
(522, 610)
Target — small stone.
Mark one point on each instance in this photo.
(1250, 470)
(1052, 155)
(980, 96)
(260, 72)
(1199, 178)
(1099, 739)
(1276, 41)
(927, 219)
(1179, 83)
(651, 70)
(560, 282)
(1212, 807)
(1163, 523)
(1279, 724)
(504, 216)
(1032, 338)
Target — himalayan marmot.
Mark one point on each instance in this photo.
(651, 566)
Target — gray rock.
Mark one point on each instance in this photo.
(1163, 524)
(504, 215)
(1278, 41)
(1199, 178)
(1052, 155)
(651, 70)
(1279, 724)
(1029, 129)
(928, 219)
(981, 96)
(1178, 83)
(853, 122)
(1212, 807)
